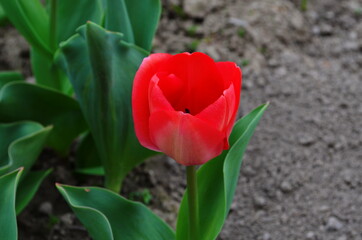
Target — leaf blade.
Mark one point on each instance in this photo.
(24, 101)
(116, 214)
(8, 184)
(27, 188)
(101, 67)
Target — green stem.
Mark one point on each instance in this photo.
(53, 25)
(113, 183)
(193, 203)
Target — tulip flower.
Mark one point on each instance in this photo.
(185, 105)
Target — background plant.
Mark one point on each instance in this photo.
(49, 101)
(44, 27)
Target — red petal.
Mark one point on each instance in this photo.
(157, 100)
(231, 74)
(203, 82)
(215, 114)
(185, 138)
(231, 106)
(172, 87)
(140, 105)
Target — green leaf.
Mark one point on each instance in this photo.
(8, 184)
(21, 144)
(3, 18)
(28, 186)
(108, 216)
(125, 16)
(6, 77)
(31, 20)
(24, 101)
(87, 160)
(217, 180)
(144, 28)
(72, 14)
(101, 67)
(48, 74)
(117, 19)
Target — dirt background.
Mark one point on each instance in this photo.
(302, 173)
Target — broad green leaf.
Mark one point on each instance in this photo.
(101, 67)
(24, 101)
(108, 216)
(31, 20)
(8, 184)
(144, 28)
(6, 77)
(117, 19)
(125, 16)
(87, 159)
(217, 180)
(21, 144)
(70, 15)
(27, 188)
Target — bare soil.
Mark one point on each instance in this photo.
(302, 173)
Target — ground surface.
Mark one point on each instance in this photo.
(302, 174)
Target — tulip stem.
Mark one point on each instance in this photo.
(193, 203)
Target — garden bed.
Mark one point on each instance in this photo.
(301, 176)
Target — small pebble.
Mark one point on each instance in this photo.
(266, 236)
(310, 235)
(343, 237)
(286, 186)
(67, 218)
(46, 208)
(259, 201)
(334, 224)
(306, 139)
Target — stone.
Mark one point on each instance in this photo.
(199, 8)
(67, 218)
(310, 236)
(334, 224)
(46, 208)
(343, 237)
(286, 187)
(266, 236)
(259, 201)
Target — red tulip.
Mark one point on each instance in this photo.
(185, 105)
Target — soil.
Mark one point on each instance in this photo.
(302, 173)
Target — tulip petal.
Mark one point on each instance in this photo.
(233, 80)
(185, 138)
(215, 114)
(232, 107)
(172, 87)
(231, 74)
(156, 97)
(202, 79)
(140, 106)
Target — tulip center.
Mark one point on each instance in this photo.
(188, 96)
